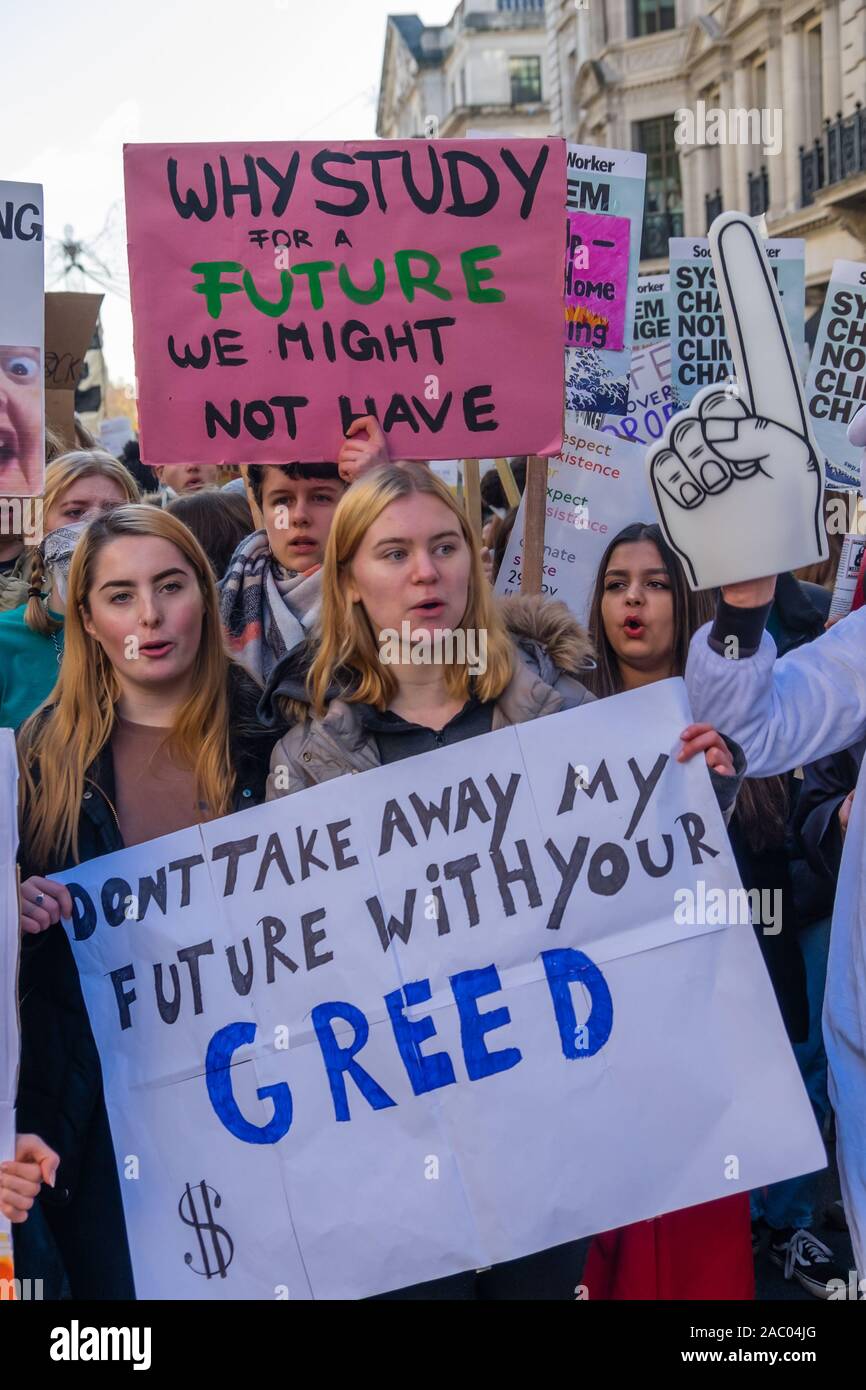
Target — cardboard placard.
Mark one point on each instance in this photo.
(10, 936)
(836, 384)
(652, 312)
(281, 290)
(595, 486)
(22, 254)
(601, 185)
(395, 1026)
(701, 352)
(70, 321)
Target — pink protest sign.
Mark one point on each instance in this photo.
(281, 290)
(596, 280)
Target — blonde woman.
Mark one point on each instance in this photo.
(78, 486)
(147, 730)
(400, 559)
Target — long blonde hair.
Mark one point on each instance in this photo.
(59, 476)
(57, 746)
(348, 642)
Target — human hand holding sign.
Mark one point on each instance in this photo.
(361, 452)
(736, 478)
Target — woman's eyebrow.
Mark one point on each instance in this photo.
(131, 583)
(402, 540)
(660, 569)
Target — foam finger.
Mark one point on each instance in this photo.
(668, 473)
(697, 456)
(766, 368)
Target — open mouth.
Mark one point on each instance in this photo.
(633, 627)
(8, 446)
(431, 606)
(155, 650)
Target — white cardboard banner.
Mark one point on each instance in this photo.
(836, 384)
(22, 340)
(595, 487)
(10, 933)
(343, 1044)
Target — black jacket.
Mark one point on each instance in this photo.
(826, 784)
(60, 1080)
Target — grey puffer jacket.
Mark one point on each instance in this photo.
(551, 648)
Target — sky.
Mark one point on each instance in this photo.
(79, 81)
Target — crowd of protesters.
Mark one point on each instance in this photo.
(256, 672)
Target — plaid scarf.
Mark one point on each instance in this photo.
(266, 611)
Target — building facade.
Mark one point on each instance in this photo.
(620, 69)
(483, 71)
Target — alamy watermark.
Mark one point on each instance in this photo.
(737, 126)
(729, 907)
(21, 517)
(437, 647)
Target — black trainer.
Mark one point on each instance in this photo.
(801, 1256)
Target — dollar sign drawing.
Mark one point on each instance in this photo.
(220, 1240)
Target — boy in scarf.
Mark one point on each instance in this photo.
(270, 594)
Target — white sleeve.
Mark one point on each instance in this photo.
(808, 704)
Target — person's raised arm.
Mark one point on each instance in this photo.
(784, 713)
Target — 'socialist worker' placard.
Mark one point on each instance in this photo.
(605, 200)
(836, 385)
(652, 310)
(701, 355)
(281, 290)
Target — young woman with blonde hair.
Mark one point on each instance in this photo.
(148, 730)
(79, 485)
(401, 562)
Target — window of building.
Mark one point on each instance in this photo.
(520, 4)
(651, 16)
(525, 76)
(760, 88)
(814, 86)
(663, 217)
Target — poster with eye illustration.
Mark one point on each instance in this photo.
(22, 333)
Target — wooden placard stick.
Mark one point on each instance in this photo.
(509, 482)
(258, 519)
(533, 525)
(472, 494)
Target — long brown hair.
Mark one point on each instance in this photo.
(348, 642)
(57, 746)
(59, 477)
(690, 610)
(762, 802)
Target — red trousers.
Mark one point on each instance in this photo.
(701, 1252)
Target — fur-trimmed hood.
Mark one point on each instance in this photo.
(535, 622)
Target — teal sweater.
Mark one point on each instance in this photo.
(28, 667)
